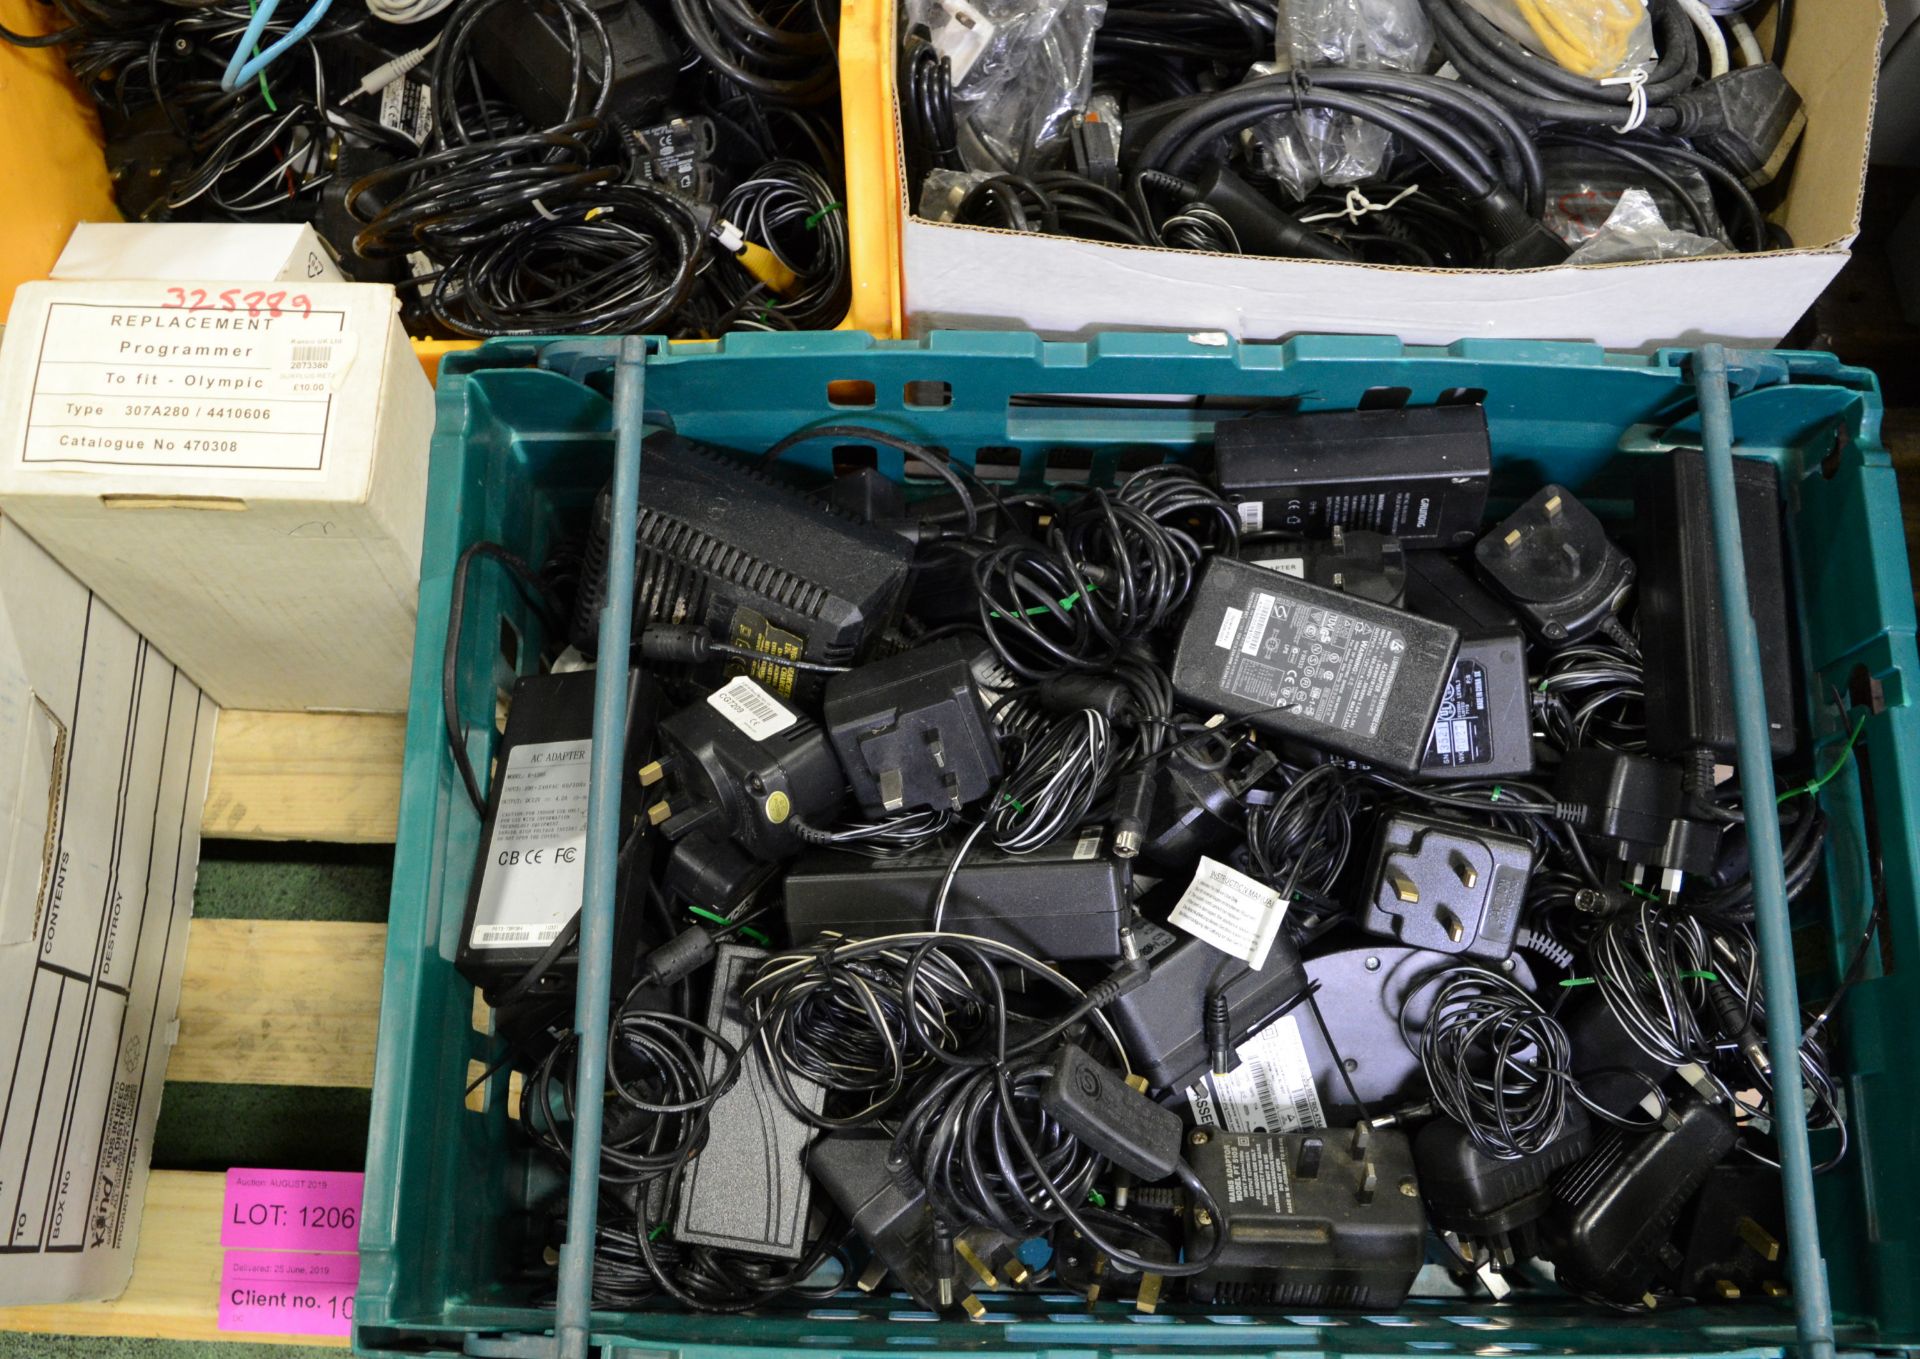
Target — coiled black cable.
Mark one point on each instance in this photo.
(1495, 1060)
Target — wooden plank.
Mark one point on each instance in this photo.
(306, 776)
(280, 1002)
(175, 1291)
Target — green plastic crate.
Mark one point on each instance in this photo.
(449, 1264)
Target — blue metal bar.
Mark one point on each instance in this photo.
(574, 1320)
(1813, 1307)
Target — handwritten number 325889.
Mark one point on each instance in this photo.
(254, 301)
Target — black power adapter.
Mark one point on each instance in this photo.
(911, 731)
(531, 52)
(1197, 807)
(1730, 1240)
(1097, 1105)
(1487, 1201)
(532, 865)
(742, 764)
(1352, 561)
(1162, 1021)
(1615, 1210)
(1638, 808)
(1683, 643)
(1447, 886)
(1419, 473)
(1313, 664)
(1552, 559)
(1484, 729)
(888, 1209)
(762, 568)
(1315, 1219)
(1065, 901)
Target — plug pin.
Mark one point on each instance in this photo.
(1148, 1298)
(1450, 922)
(893, 790)
(1369, 1181)
(1512, 541)
(1469, 875)
(1759, 1239)
(1552, 506)
(975, 1309)
(659, 813)
(654, 771)
(973, 1262)
(1403, 887)
(871, 1277)
(1726, 1289)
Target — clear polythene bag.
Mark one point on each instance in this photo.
(1596, 38)
(1022, 72)
(1311, 147)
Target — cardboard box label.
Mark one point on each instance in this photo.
(288, 1292)
(240, 378)
(292, 1209)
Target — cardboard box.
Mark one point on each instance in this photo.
(104, 752)
(962, 277)
(240, 472)
(234, 252)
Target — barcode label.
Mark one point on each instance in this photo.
(314, 362)
(1257, 627)
(1253, 515)
(312, 355)
(1271, 1090)
(752, 709)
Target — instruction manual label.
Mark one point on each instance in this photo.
(751, 708)
(1319, 663)
(537, 855)
(240, 378)
(1237, 914)
(1271, 1090)
(1463, 730)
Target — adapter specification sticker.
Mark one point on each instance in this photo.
(752, 709)
(1319, 663)
(239, 379)
(1463, 730)
(1271, 1090)
(537, 853)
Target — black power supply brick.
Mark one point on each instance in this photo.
(1301, 661)
(747, 1190)
(1448, 886)
(533, 854)
(1162, 1021)
(531, 52)
(1614, 1211)
(757, 564)
(887, 1207)
(1683, 644)
(1352, 561)
(1419, 473)
(911, 731)
(1484, 729)
(1554, 561)
(1068, 900)
(1487, 1199)
(1315, 1219)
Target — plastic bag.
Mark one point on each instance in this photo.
(1594, 38)
(1021, 73)
(1636, 231)
(1583, 188)
(943, 191)
(1319, 146)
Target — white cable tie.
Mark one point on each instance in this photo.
(1358, 205)
(541, 208)
(1636, 83)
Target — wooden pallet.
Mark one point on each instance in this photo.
(252, 1002)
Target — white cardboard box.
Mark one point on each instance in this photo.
(240, 472)
(251, 252)
(965, 277)
(104, 752)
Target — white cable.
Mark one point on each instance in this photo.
(1709, 27)
(1358, 205)
(1636, 83)
(1750, 53)
(387, 72)
(405, 11)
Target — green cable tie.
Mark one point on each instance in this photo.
(1638, 890)
(814, 220)
(1017, 806)
(1096, 1198)
(654, 1235)
(1816, 784)
(718, 919)
(1066, 605)
(1578, 981)
(1497, 790)
(265, 93)
(1698, 976)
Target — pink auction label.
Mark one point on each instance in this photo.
(292, 1209)
(288, 1292)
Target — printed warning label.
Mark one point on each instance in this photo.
(537, 855)
(752, 631)
(1256, 1172)
(1271, 1090)
(1318, 662)
(1463, 729)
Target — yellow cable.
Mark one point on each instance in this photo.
(1587, 37)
